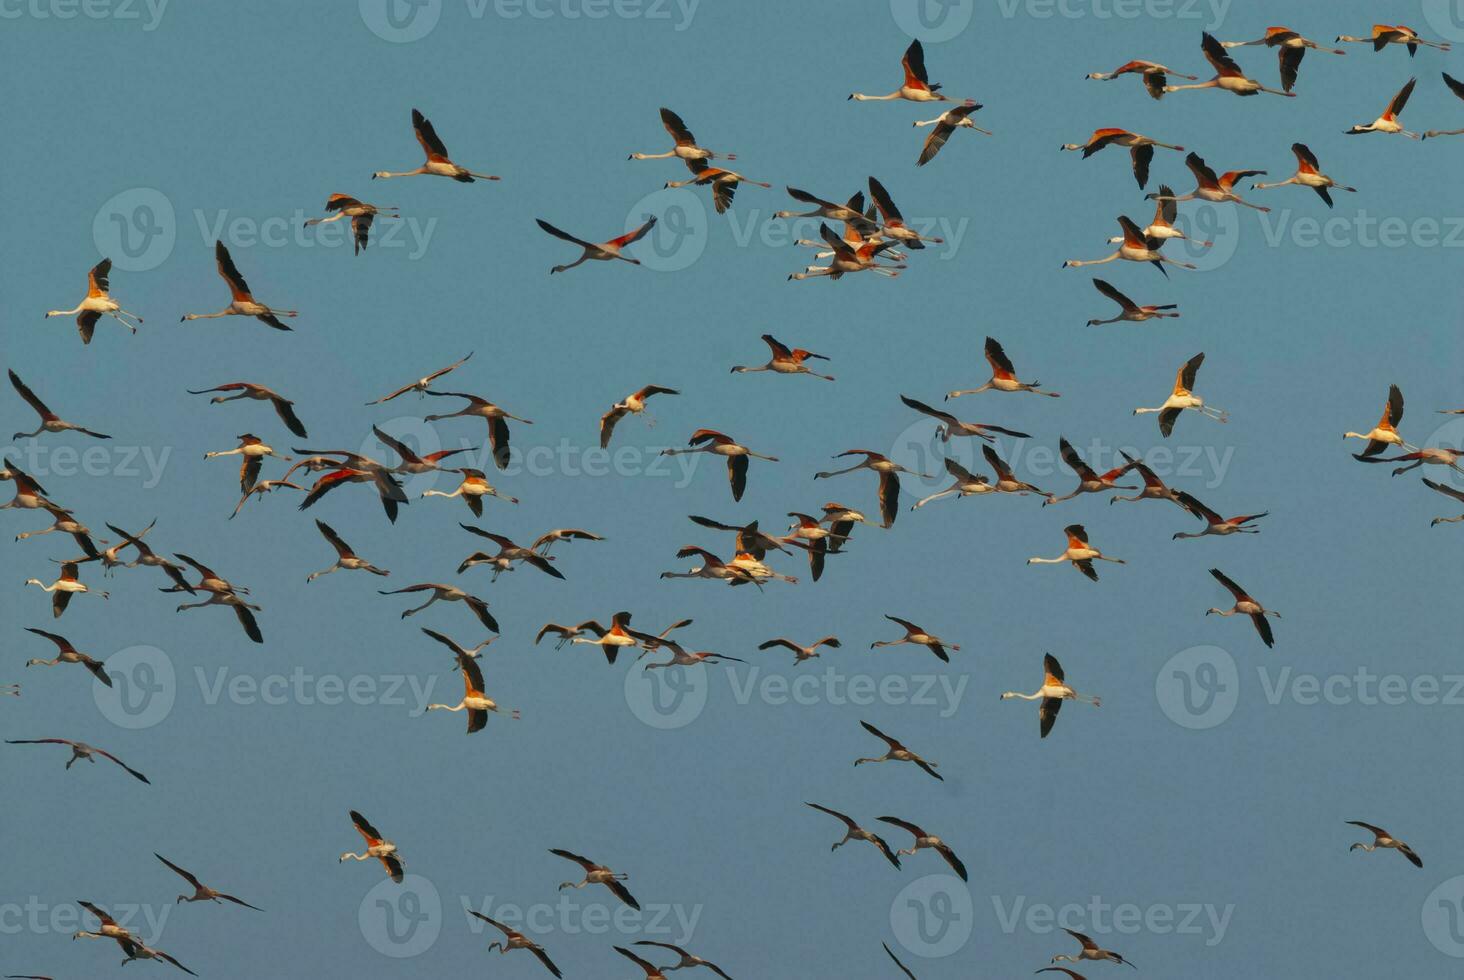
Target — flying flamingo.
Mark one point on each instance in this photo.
(361, 215)
(201, 892)
(66, 523)
(1388, 121)
(889, 480)
(29, 495)
(893, 222)
(847, 258)
(924, 840)
(1210, 187)
(1079, 552)
(1308, 175)
(1381, 838)
(1290, 49)
(1006, 481)
(713, 568)
(722, 182)
(68, 654)
(377, 847)
(898, 753)
(917, 636)
(147, 557)
(361, 470)
(50, 421)
(945, 124)
(1003, 375)
(1440, 456)
(951, 426)
(1141, 148)
(1457, 87)
(651, 971)
(508, 552)
(852, 213)
(601, 251)
(346, 558)
(1154, 75)
(1182, 398)
(680, 656)
(1383, 35)
(1245, 606)
(411, 462)
(474, 702)
(1214, 523)
(547, 540)
(1154, 488)
(64, 588)
(967, 484)
(1129, 310)
(597, 874)
(1228, 75)
(421, 384)
(478, 407)
(253, 450)
(437, 164)
(1053, 692)
(447, 593)
(632, 404)
(685, 148)
(1089, 481)
(243, 302)
(1448, 492)
(473, 488)
(221, 593)
(1385, 433)
(98, 303)
(785, 360)
(135, 950)
(109, 928)
(856, 832)
(719, 444)
(801, 653)
(1090, 950)
(513, 939)
(283, 407)
(916, 86)
(79, 751)
(1136, 247)
(841, 521)
(1162, 228)
(687, 959)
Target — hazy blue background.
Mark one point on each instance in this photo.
(262, 110)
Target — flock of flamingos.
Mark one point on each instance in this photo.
(854, 237)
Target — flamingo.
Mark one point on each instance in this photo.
(951, 426)
(687, 959)
(1141, 148)
(924, 840)
(651, 971)
(1307, 175)
(64, 588)
(1136, 247)
(632, 404)
(421, 384)
(685, 148)
(841, 521)
(98, 303)
(1154, 488)
(458, 650)
(508, 552)
(785, 360)
(1457, 87)
(1006, 481)
(411, 462)
(447, 593)
(610, 641)
(945, 124)
(135, 950)
(513, 939)
(851, 213)
(597, 874)
(1079, 552)
(759, 571)
(1385, 433)
(66, 523)
(680, 656)
(147, 557)
(919, 637)
(1210, 187)
(893, 222)
(109, 927)
(601, 251)
(889, 480)
(1381, 838)
(283, 407)
(479, 407)
(1214, 523)
(720, 444)
(221, 593)
(1388, 121)
(253, 450)
(1089, 481)
(1003, 375)
(1441, 456)
(438, 164)
(473, 488)
(1228, 75)
(1290, 49)
(1053, 692)
(1384, 35)
(346, 558)
(722, 182)
(898, 753)
(1090, 950)
(1129, 310)
(801, 653)
(1447, 492)
(79, 751)
(1245, 606)
(377, 847)
(29, 494)
(916, 86)
(1166, 212)
(1154, 75)
(243, 302)
(713, 568)
(68, 654)
(1182, 398)
(474, 702)
(202, 892)
(856, 832)
(545, 541)
(387, 488)
(848, 258)
(361, 215)
(967, 484)
(808, 532)
(50, 421)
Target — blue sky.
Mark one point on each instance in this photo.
(145, 132)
